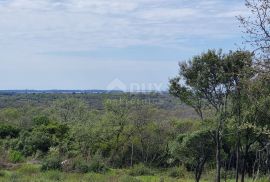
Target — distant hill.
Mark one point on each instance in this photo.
(58, 91)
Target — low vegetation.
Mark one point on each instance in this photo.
(213, 126)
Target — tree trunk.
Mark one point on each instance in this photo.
(218, 158)
(243, 170)
(244, 164)
(245, 155)
(131, 157)
(237, 157)
(238, 132)
(199, 170)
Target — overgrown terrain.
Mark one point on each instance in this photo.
(213, 125)
(96, 133)
(122, 137)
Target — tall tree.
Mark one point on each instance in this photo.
(210, 79)
(239, 69)
(256, 117)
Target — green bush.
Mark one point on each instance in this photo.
(95, 165)
(128, 179)
(51, 162)
(8, 131)
(140, 170)
(41, 120)
(15, 156)
(177, 172)
(42, 138)
(2, 174)
(81, 166)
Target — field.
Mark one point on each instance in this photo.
(33, 173)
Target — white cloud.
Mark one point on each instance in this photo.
(32, 30)
(167, 14)
(51, 25)
(102, 6)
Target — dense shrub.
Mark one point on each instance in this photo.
(42, 138)
(177, 172)
(2, 174)
(15, 156)
(51, 164)
(140, 170)
(41, 141)
(41, 120)
(8, 131)
(95, 165)
(52, 161)
(80, 166)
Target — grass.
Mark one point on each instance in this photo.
(30, 172)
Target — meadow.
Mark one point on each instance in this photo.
(33, 173)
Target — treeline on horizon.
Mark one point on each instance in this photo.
(226, 131)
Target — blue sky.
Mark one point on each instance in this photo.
(86, 44)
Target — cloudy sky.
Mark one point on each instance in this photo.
(86, 44)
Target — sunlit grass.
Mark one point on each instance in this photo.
(32, 173)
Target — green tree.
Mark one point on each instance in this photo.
(239, 69)
(8, 131)
(256, 117)
(194, 150)
(209, 79)
(70, 110)
(42, 137)
(116, 127)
